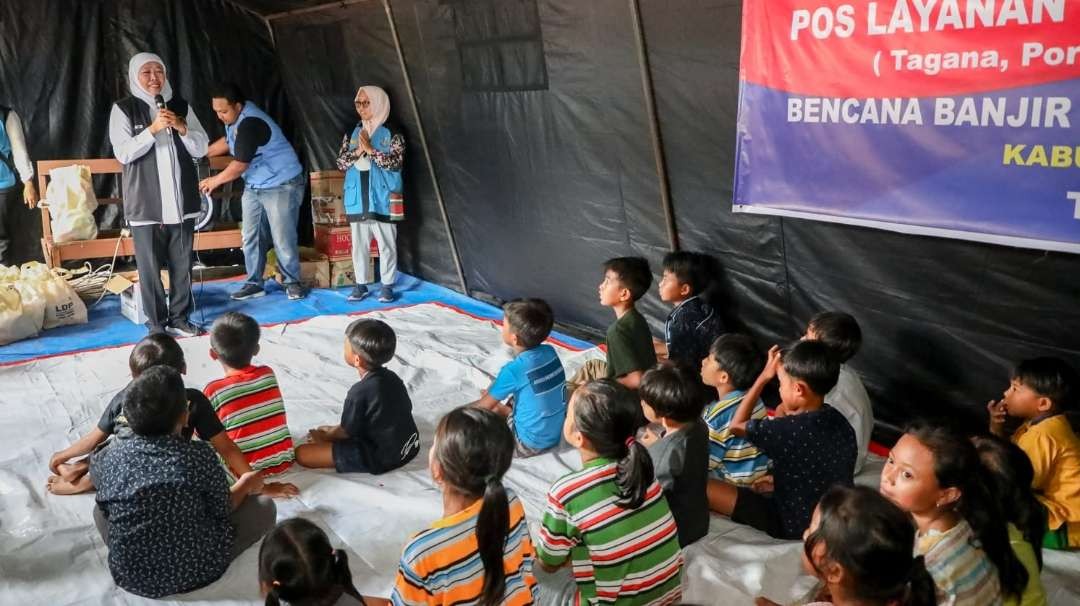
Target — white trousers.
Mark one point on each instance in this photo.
(385, 235)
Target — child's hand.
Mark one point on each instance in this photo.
(56, 461)
(773, 363)
(998, 413)
(763, 485)
(648, 436)
(249, 483)
(278, 490)
(321, 434)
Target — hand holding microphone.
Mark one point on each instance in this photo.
(165, 118)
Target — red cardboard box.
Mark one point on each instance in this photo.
(335, 241)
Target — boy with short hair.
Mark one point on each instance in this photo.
(533, 380)
(630, 350)
(1040, 391)
(672, 396)
(689, 283)
(841, 332)
(377, 432)
(247, 399)
(164, 506)
(811, 449)
(154, 350)
(734, 361)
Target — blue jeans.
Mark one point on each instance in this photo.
(269, 217)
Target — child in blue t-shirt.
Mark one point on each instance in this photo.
(533, 381)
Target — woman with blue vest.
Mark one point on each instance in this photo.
(15, 170)
(156, 136)
(372, 157)
(273, 188)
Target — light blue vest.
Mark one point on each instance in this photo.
(7, 176)
(275, 162)
(381, 182)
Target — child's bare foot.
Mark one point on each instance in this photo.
(73, 471)
(59, 486)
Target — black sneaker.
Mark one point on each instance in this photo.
(248, 291)
(386, 294)
(295, 291)
(183, 328)
(359, 293)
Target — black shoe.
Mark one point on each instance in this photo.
(359, 293)
(154, 329)
(386, 294)
(248, 291)
(295, 291)
(183, 328)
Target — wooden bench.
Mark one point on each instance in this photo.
(105, 245)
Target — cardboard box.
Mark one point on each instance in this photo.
(328, 210)
(341, 273)
(314, 268)
(131, 304)
(333, 241)
(327, 183)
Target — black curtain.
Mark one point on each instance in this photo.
(64, 63)
(539, 135)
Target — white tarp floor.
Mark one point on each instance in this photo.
(50, 553)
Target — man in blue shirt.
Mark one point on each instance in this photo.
(534, 379)
(273, 188)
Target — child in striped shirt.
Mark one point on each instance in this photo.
(731, 367)
(610, 520)
(935, 474)
(247, 399)
(479, 552)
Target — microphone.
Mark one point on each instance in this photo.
(160, 101)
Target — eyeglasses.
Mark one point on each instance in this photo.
(362, 103)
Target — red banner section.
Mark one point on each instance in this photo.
(910, 48)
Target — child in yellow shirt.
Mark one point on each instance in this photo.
(1040, 391)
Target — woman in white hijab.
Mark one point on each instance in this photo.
(371, 156)
(157, 137)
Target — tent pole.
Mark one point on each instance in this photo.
(654, 126)
(427, 150)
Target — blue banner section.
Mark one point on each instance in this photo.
(952, 166)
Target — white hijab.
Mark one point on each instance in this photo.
(380, 107)
(136, 63)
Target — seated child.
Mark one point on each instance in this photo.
(533, 380)
(634, 556)
(153, 350)
(247, 399)
(858, 545)
(811, 449)
(673, 397)
(731, 367)
(1009, 474)
(630, 349)
(298, 565)
(377, 432)
(689, 283)
(934, 474)
(164, 506)
(1041, 390)
(841, 332)
(480, 551)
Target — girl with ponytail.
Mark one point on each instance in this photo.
(935, 474)
(1010, 476)
(610, 519)
(299, 567)
(480, 551)
(858, 545)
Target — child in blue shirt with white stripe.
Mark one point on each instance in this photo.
(532, 383)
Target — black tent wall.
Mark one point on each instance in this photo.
(547, 169)
(64, 63)
(543, 185)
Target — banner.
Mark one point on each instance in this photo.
(955, 118)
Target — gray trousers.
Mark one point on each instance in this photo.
(255, 517)
(170, 246)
